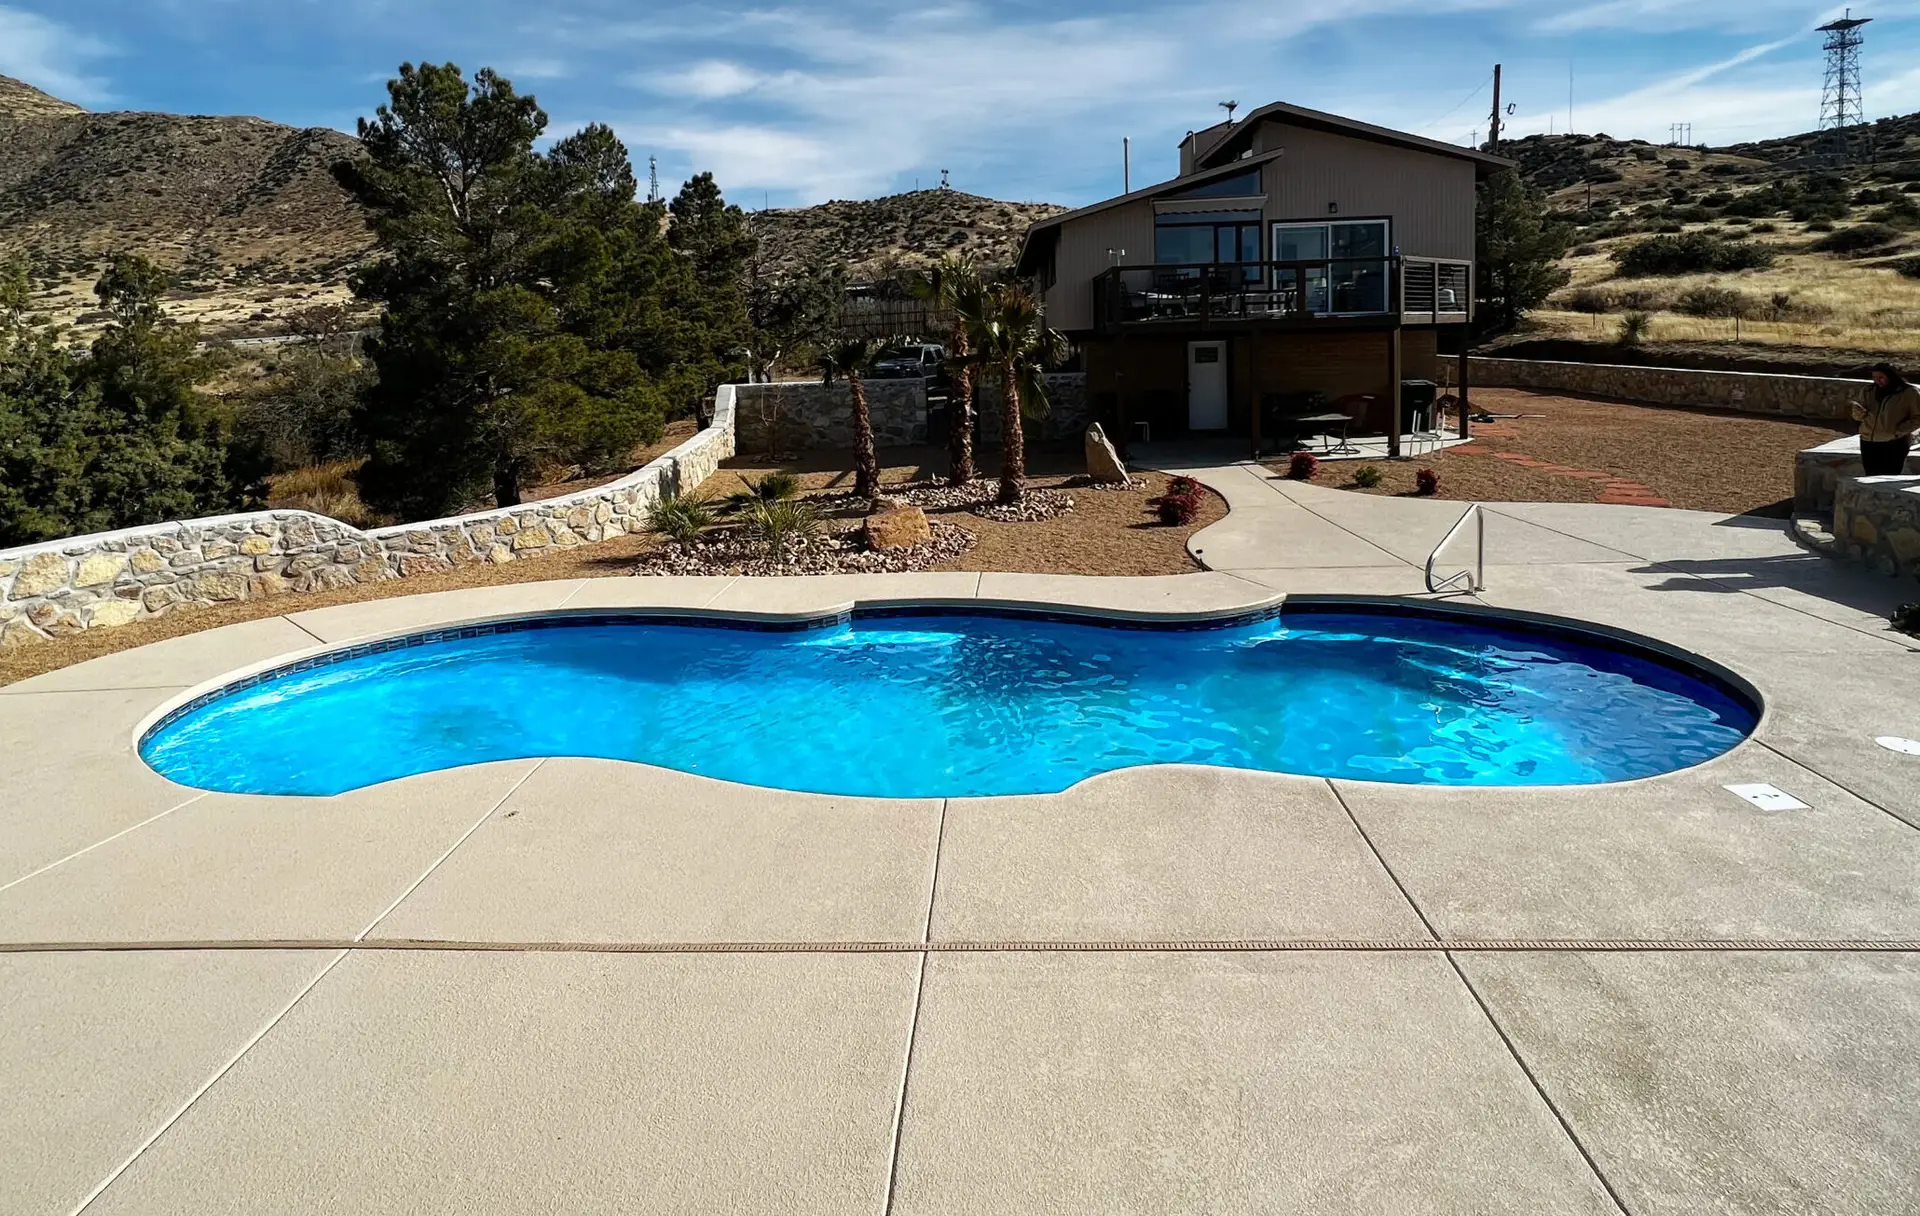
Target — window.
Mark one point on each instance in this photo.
(1209, 238)
(1234, 185)
(1354, 280)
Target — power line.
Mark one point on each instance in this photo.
(1463, 101)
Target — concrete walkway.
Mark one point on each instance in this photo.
(580, 986)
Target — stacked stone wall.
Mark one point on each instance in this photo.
(1820, 397)
(115, 578)
(804, 415)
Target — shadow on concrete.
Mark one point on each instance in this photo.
(1807, 573)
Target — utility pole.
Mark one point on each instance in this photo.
(1126, 164)
(1493, 125)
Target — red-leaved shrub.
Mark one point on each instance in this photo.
(1179, 509)
(1183, 486)
(1426, 483)
(1303, 466)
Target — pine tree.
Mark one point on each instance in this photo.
(1518, 253)
(118, 437)
(526, 297)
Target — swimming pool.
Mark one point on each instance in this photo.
(942, 703)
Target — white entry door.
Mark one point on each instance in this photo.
(1207, 386)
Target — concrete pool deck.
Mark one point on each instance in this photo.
(582, 986)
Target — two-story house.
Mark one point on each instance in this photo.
(1297, 253)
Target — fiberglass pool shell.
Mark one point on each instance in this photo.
(923, 702)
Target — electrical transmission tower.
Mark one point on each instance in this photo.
(1840, 104)
(653, 179)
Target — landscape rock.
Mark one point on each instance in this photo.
(1103, 462)
(900, 528)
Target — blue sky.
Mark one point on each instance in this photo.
(799, 102)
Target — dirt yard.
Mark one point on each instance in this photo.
(1696, 459)
(1107, 532)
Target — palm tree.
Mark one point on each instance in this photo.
(853, 358)
(1011, 335)
(953, 285)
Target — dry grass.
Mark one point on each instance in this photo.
(1862, 302)
(1106, 533)
(324, 489)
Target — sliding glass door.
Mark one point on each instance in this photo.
(1356, 280)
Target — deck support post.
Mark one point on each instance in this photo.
(1393, 391)
(1253, 386)
(1466, 357)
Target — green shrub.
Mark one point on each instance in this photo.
(781, 523)
(1900, 212)
(1820, 226)
(1592, 300)
(1906, 618)
(1366, 476)
(1690, 253)
(1677, 163)
(1634, 327)
(1857, 239)
(1908, 267)
(1766, 226)
(1714, 302)
(680, 517)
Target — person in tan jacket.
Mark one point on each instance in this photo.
(1888, 418)
(1888, 421)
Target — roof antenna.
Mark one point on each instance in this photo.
(1229, 107)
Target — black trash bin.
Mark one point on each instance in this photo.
(1416, 405)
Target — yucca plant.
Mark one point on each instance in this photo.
(780, 524)
(680, 517)
(774, 487)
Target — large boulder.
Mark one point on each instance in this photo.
(901, 528)
(1104, 465)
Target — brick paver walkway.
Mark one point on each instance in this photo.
(1614, 490)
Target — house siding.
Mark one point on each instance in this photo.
(1082, 256)
(1430, 197)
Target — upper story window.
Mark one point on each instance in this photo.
(1234, 185)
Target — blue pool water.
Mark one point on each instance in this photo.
(955, 705)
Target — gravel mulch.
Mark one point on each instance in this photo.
(837, 552)
(1699, 460)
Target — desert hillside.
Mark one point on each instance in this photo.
(1841, 220)
(874, 236)
(245, 211)
(247, 214)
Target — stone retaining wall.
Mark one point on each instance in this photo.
(1877, 520)
(1818, 472)
(113, 578)
(1819, 397)
(802, 415)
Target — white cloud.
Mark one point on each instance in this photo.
(707, 81)
(50, 56)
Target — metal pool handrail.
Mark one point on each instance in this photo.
(1476, 578)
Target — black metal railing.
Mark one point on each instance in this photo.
(1425, 289)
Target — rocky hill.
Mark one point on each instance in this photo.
(876, 236)
(244, 211)
(1837, 217)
